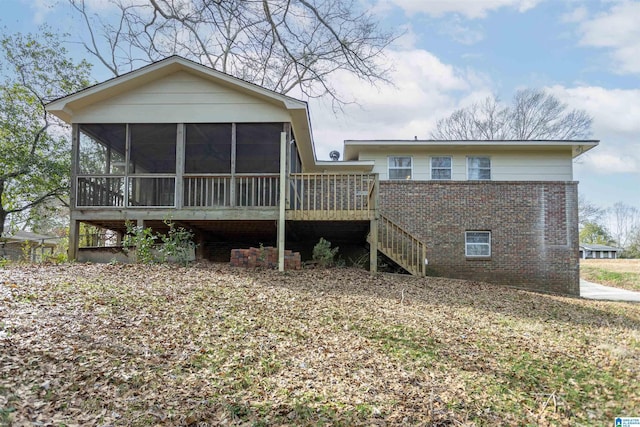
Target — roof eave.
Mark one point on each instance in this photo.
(343, 166)
(353, 147)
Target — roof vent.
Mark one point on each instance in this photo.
(335, 155)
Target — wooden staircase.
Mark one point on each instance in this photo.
(401, 247)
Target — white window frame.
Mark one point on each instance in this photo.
(469, 168)
(467, 244)
(389, 168)
(450, 168)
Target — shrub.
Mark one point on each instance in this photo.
(323, 254)
(176, 244)
(143, 239)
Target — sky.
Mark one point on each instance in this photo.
(455, 52)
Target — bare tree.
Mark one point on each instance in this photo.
(589, 213)
(625, 223)
(284, 45)
(532, 114)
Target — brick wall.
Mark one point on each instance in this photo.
(266, 257)
(534, 229)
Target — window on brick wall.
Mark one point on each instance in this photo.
(441, 167)
(477, 243)
(478, 168)
(400, 167)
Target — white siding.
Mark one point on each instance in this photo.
(510, 166)
(531, 167)
(181, 98)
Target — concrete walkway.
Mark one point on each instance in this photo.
(594, 291)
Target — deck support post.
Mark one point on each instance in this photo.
(373, 230)
(74, 236)
(373, 246)
(74, 224)
(283, 199)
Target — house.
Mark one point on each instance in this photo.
(594, 251)
(213, 153)
(27, 246)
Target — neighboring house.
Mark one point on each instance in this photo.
(27, 246)
(179, 140)
(593, 251)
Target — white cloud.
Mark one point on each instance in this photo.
(40, 9)
(461, 32)
(408, 38)
(578, 14)
(605, 162)
(619, 31)
(472, 9)
(615, 115)
(425, 90)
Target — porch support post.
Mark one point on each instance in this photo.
(373, 230)
(180, 149)
(283, 199)
(74, 235)
(74, 224)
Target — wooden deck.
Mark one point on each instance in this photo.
(310, 197)
(331, 197)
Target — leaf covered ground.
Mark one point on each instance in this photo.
(211, 345)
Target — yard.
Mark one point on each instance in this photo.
(620, 273)
(212, 345)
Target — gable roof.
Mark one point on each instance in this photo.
(596, 247)
(65, 107)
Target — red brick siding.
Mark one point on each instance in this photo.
(534, 229)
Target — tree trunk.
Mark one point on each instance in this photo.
(3, 213)
(3, 217)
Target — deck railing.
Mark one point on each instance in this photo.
(207, 191)
(401, 246)
(331, 195)
(152, 191)
(229, 191)
(100, 191)
(322, 195)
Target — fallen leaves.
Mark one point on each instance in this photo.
(158, 345)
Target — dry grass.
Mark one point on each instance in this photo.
(211, 345)
(616, 265)
(621, 273)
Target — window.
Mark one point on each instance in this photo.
(478, 168)
(477, 243)
(441, 167)
(400, 167)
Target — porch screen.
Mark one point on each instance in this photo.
(208, 148)
(153, 148)
(258, 147)
(101, 149)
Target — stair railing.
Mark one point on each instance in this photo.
(401, 246)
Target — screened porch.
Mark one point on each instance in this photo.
(207, 166)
